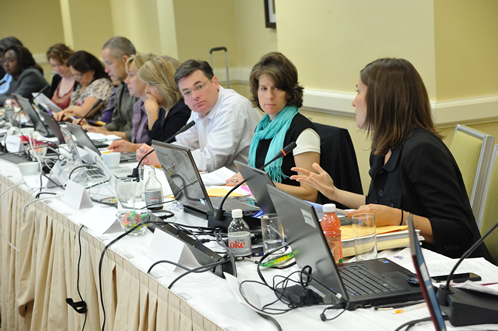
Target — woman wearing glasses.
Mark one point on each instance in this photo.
(94, 82)
(163, 110)
(412, 170)
(275, 90)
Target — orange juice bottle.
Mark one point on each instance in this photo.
(331, 227)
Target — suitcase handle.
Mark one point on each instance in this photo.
(217, 49)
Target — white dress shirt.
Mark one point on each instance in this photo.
(224, 135)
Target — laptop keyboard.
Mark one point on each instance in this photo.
(360, 280)
(14, 158)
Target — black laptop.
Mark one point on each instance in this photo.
(33, 116)
(357, 284)
(186, 182)
(82, 140)
(53, 125)
(423, 278)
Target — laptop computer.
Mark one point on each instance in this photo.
(46, 103)
(424, 279)
(357, 284)
(53, 125)
(186, 182)
(33, 116)
(257, 180)
(84, 141)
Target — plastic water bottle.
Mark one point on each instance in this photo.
(331, 226)
(153, 191)
(239, 236)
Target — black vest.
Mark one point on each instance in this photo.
(298, 125)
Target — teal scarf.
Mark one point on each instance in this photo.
(275, 130)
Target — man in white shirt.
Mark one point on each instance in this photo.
(225, 120)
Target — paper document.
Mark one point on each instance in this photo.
(217, 177)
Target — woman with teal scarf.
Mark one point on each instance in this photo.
(276, 91)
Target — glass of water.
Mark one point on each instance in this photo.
(273, 233)
(365, 237)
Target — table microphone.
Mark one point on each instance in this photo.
(184, 128)
(95, 105)
(468, 307)
(42, 90)
(219, 213)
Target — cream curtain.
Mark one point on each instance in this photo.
(35, 282)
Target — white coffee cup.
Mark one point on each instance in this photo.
(111, 159)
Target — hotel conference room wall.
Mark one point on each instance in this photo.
(452, 43)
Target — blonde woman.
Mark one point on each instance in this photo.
(166, 112)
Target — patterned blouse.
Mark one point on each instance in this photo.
(100, 88)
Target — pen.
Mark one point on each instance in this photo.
(278, 260)
(402, 310)
(398, 305)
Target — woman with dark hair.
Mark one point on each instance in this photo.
(94, 82)
(5, 78)
(275, 90)
(63, 83)
(412, 170)
(27, 76)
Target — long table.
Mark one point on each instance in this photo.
(36, 280)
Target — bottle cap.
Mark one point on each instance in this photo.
(329, 208)
(237, 213)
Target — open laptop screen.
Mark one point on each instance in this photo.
(31, 113)
(424, 279)
(183, 176)
(82, 138)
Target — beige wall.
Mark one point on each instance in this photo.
(466, 34)
(253, 38)
(90, 28)
(36, 23)
(202, 25)
(331, 40)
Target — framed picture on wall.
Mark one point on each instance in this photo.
(270, 17)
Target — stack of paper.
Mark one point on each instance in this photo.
(388, 237)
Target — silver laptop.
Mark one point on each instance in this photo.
(33, 116)
(257, 180)
(83, 141)
(357, 284)
(186, 182)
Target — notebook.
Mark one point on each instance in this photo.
(84, 141)
(357, 284)
(186, 182)
(33, 116)
(428, 290)
(257, 180)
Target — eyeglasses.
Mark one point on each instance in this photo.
(80, 76)
(198, 89)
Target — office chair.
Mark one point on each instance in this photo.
(338, 158)
(489, 207)
(472, 151)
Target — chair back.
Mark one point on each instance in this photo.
(489, 208)
(472, 150)
(338, 158)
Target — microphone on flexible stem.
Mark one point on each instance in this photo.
(95, 105)
(184, 128)
(42, 90)
(219, 213)
(468, 307)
